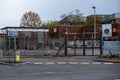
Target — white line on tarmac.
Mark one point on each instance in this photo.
(116, 79)
(69, 63)
(38, 62)
(73, 62)
(49, 72)
(96, 63)
(50, 63)
(61, 63)
(84, 63)
(108, 63)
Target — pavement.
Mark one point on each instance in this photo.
(60, 68)
(53, 60)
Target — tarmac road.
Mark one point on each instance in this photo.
(61, 68)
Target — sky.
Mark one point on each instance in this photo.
(11, 11)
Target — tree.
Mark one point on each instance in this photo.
(44, 25)
(90, 20)
(73, 18)
(50, 25)
(30, 19)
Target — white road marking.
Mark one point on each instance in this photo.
(38, 62)
(73, 62)
(24, 63)
(96, 63)
(108, 63)
(84, 63)
(49, 72)
(61, 62)
(116, 79)
(50, 63)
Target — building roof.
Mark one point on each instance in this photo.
(110, 17)
(21, 27)
(14, 29)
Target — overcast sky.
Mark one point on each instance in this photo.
(11, 11)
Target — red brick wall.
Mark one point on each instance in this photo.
(71, 29)
(75, 29)
(23, 43)
(117, 20)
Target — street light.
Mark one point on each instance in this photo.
(94, 23)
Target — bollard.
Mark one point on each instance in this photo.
(48, 51)
(17, 56)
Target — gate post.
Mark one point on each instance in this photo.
(66, 52)
(92, 45)
(101, 42)
(83, 41)
(75, 45)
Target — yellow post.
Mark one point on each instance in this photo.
(17, 56)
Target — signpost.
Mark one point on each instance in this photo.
(12, 34)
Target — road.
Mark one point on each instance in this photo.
(61, 69)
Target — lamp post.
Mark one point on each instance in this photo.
(94, 24)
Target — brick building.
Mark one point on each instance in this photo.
(111, 19)
(59, 31)
(23, 37)
(114, 19)
(77, 33)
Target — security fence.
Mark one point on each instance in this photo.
(81, 44)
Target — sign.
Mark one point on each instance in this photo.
(55, 30)
(107, 30)
(105, 38)
(114, 30)
(110, 38)
(12, 33)
(111, 45)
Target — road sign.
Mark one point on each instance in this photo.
(10, 33)
(107, 30)
(105, 38)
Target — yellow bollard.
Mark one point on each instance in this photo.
(17, 56)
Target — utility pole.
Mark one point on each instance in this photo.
(94, 25)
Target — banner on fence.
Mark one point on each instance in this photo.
(111, 46)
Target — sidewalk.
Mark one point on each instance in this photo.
(98, 59)
(113, 60)
(63, 59)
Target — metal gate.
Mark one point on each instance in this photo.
(81, 44)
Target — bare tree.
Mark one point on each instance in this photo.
(30, 19)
